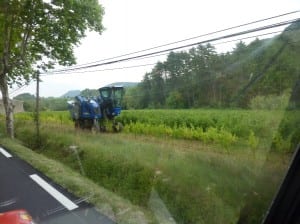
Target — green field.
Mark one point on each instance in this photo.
(205, 166)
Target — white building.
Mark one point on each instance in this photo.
(18, 106)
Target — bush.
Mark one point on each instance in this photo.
(270, 102)
(127, 178)
(287, 136)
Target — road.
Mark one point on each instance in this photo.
(21, 186)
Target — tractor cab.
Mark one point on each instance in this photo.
(95, 113)
(110, 100)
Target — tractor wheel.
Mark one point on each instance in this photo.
(77, 124)
(95, 128)
(117, 127)
(103, 128)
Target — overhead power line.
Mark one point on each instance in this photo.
(219, 43)
(17, 89)
(191, 38)
(81, 72)
(184, 46)
(101, 70)
(143, 65)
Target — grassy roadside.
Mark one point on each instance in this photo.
(108, 203)
(196, 181)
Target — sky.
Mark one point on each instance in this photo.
(133, 25)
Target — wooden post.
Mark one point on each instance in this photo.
(37, 111)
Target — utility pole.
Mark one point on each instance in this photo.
(37, 111)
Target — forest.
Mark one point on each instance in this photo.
(251, 75)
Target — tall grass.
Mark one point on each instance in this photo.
(198, 182)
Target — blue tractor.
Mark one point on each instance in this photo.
(94, 113)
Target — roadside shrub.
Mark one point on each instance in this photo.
(127, 178)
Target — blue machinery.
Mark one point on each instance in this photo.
(93, 113)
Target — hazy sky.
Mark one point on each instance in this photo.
(133, 25)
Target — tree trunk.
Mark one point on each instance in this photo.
(8, 107)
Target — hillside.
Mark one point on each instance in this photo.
(71, 93)
(124, 84)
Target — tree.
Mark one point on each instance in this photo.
(201, 77)
(89, 93)
(144, 90)
(158, 85)
(131, 98)
(175, 100)
(35, 35)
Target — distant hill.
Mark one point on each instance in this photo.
(94, 92)
(124, 84)
(24, 96)
(71, 94)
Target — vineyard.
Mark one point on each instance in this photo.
(252, 129)
(208, 126)
(216, 156)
